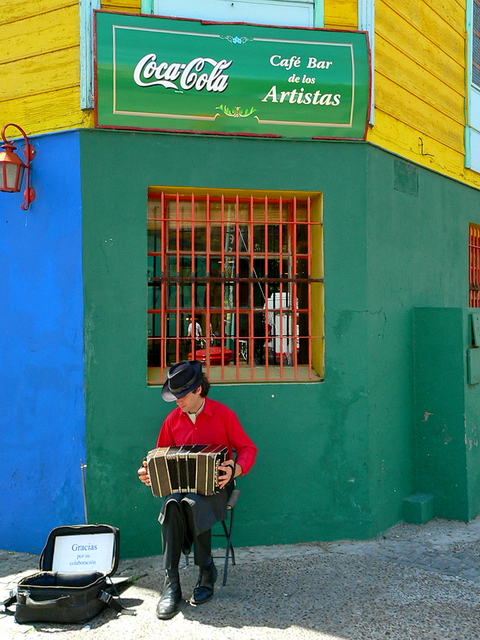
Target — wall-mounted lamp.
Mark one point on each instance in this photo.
(12, 168)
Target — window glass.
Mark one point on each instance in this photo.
(476, 44)
(472, 132)
(280, 12)
(235, 282)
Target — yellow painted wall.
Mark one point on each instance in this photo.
(420, 89)
(126, 6)
(420, 86)
(39, 65)
(340, 15)
(419, 73)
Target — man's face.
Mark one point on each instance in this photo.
(192, 402)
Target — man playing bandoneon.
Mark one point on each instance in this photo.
(187, 518)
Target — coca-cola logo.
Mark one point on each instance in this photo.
(182, 76)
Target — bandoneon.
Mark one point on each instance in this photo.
(191, 468)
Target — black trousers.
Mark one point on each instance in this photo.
(178, 535)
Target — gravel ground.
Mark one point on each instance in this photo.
(412, 583)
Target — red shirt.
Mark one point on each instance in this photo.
(215, 424)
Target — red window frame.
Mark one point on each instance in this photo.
(474, 265)
(247, 305)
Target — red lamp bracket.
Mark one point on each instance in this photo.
(29, 153)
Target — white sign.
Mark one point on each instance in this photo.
(84, 553)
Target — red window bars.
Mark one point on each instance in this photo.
(231, 283)
(474, 265)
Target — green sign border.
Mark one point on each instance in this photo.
(117, 97)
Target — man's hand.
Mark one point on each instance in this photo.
(143, 474)
(228, 471)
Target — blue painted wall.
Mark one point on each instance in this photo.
(42, 412)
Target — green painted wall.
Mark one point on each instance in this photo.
(440, 380)
(447, 409)
(336, 458)
(417, 256)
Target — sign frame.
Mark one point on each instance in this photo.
(191, 76)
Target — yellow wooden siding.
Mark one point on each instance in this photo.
(125, 6)
(420, 83)
(425, 14)
(39, 65)
(40, 113)
(419, 116)
(52, 33)
(422, 100)
(420, 148)
(15, 10)
(340, 15)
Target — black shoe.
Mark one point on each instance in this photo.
(169, 603)
(203, 591)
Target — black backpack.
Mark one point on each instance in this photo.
(75, 581)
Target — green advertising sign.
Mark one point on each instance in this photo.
(184, 75)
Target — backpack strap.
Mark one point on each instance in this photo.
(8, 603)
(115, 603)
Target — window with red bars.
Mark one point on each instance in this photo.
(474, 265)
(235, 281)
